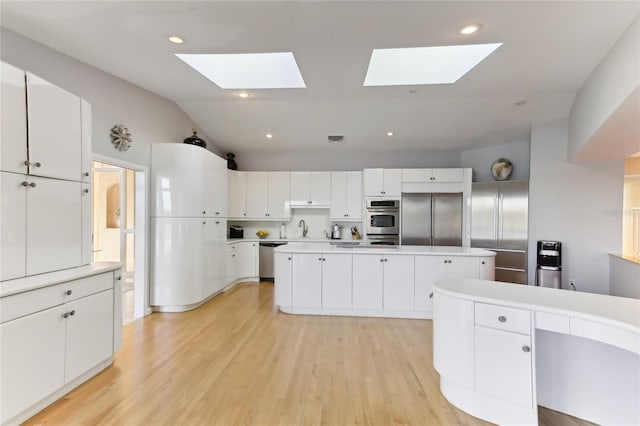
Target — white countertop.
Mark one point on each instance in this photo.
(33, 282)
(620, 312)
(288, 240)
(297, 247)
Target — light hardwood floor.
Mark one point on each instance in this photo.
(237, 361)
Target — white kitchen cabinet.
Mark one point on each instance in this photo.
(52, 335)
(13, 114)
(247, 259)
(461, 267)
(32, 361)
(89, 333)
(213, 242)
(367, 281)
(487, 268)
(429, 270)
(282, 265)
(336, 281)
(231, 263)
(237, 197)
(86, 224)
(382, 182)
(54, 120)
(346, 196)
(87, 144)
(504, 365)
(441, 175)
(187, 181)
(453, 339)
(398, 283)
(307, 274)
(310, 189)
(42, 216)
(268, 195)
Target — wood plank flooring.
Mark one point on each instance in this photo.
(237, 361)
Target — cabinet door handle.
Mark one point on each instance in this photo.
(502, 318)
(381, 260)
(482, 262)
(244, 214)
(86, 174)
(217, 222)
(119, 278)
(288, 258)
(86, 191)
(309, 202)
(204, 212)
(72, 313)
(204, 222)
(26, 163)
(217, 212)
(37, 164)
(68, 292)
(431, 295)
(233, 255)
(526, 348)
(65, 315)
(32, 184)
(320, 259)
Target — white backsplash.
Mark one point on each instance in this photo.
(317, 221)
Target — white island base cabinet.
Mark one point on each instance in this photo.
(54, 338)
(321, 279)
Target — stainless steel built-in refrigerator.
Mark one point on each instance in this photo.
(499, 222)
(431, 219)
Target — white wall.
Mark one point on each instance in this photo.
(339, 159)
(577, 204)
(480, 160)
(150, 118)
(610, 100)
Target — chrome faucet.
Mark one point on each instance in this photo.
(304, 227)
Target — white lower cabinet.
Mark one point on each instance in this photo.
(336, 281)
(398, 283)
(282, 272)
(367, 281)
(307, 274)
(503, 365)
(429, 270)
(247, 266)
(32, 361)
(53, 335)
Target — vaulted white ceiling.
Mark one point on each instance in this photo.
(549, 50)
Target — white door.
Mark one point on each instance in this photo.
(31, 360)
(301, 188)
(282, 274)
(13, 224)
(339, 197)
(89, 333)
(211, 258)
(354, 195)
(398, 283)
(307, 276)
(53, 230)
(447, 175)
(279, 207)
(504, 365)
(257, 194)
(336, 281)
(247, 253)
(215, 183)
(13, 114)
(237, 194)
(55, 120)
(392, 182)
(320, 188)
(219, 249)
(231, 255)
(373, 180)
(367, 281)
(429, 269)
(87, 229)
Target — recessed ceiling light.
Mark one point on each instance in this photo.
(248, 70)
(390, 133)
(268, 135)
(470, 29)
(175, 39)
(424, 65)
(243, 95)
(522, 102)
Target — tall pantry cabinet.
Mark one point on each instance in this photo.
(60, 316)
(188, 226)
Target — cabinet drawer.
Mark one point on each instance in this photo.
(19, 305)
(503, 318)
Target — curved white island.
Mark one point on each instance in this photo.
(394, 282)
(503, 349)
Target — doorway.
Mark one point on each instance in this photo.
(118, 229)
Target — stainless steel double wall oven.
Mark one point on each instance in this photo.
(383, 222)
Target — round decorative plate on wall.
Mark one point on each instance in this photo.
(120, 137)
(501, 169)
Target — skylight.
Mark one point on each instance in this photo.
(424, 65)
(248, 70)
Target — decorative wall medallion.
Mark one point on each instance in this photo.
(120, 137)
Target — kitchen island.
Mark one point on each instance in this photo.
(371, 281)
(502, 350)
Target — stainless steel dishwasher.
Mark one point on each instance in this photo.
(265, 254)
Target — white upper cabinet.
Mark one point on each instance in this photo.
(13, 113)
(55, 130)
(237, 197)
(346, 196)
(382, 182)
(87, 119)
(268, 195)
(310, 189)
(187, 181)
(444, 175)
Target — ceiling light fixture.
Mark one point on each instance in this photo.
(425, 65)
(268, 135)
(390, 133)
(244, 71)
(470, 29)
(522, 102)
(175, 39)
(243, 95)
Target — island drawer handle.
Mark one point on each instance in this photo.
(526, 348)
(502, 318)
